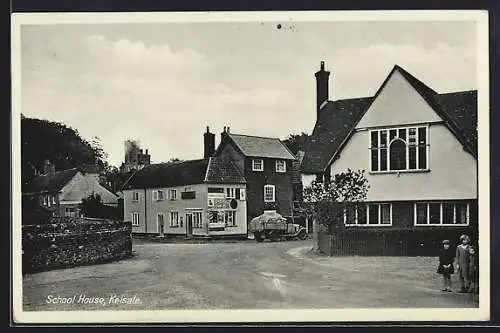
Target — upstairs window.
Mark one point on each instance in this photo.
(257, 164)
(173, 194)
(158, 195)
(135, 196)
(230, 193)
(280, 166)
(399, 149)
(269, 193)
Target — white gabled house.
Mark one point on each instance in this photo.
(418, 148)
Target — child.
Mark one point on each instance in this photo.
(462, 258)
(473, 270)
(445, 268)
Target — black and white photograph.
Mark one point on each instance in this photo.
(250, 166)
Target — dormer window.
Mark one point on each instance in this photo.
(399, 149)
(257, 164)
(280, 166)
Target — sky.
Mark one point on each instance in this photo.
(163, 83)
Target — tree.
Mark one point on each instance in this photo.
(93, 207)
(61, 145)
(327, 202)
(296, 142)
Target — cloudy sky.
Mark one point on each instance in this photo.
(164, 83)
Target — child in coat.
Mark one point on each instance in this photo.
(462, 259)
(445, 267)
(473, 270)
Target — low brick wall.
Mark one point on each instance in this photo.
(71, 241)
(391, 242)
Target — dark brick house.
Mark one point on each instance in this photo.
(266, 164)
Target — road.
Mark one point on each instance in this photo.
(244, 275)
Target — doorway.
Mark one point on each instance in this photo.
(161, 225)
(189, 225)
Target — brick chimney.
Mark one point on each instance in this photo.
(48, 168)
(208, 144)
(322, 77)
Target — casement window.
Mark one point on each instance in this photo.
(441, 213)
(257, 164)
(174, 219)
(269, 193)
(230, 218)
(158, 195)
(197, 220)
(399, 149)
(280, 166)
(160, 220)
(135, 218)
(173, 194)
(376, 214)
(230, 193)
(135, 196)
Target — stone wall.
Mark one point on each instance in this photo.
(72, 241)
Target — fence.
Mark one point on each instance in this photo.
(71, 241)
(393, 242)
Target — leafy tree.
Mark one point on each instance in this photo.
(60, 144)
(93, 207)
(296, 142)
(327, 201)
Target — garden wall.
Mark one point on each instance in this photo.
(391, 242)
(72, 241)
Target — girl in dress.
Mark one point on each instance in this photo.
(445, 268)
(462, 259)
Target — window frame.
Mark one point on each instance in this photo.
(273, 187)
(134, 195)
(230, 193)
(390, 141)
(172, 194)
(134, 215)
(156, 195)
(230, 213)
(284, 166)
(441, 224)
(261, 160)
(171, 223)
(367, 215)
(197, 218)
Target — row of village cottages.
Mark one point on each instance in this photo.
(418, 147)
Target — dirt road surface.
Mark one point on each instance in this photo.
(245, 275)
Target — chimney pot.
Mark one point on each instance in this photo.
(228, 129)
(208, 129)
